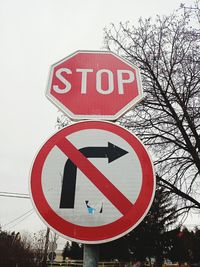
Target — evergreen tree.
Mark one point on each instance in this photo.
(185, 246)
(118, 249)
(147, 239)
(73, 250)
(196, 244)
(66, 250)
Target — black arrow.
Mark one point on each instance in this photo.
(111, 152)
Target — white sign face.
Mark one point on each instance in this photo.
(92, 182)
(86, 194)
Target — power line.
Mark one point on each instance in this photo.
(2, 195)
(21, 220)
(17, 218)
(22, 217)
(5, 192)
(15, 195)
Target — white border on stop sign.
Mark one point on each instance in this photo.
(75, 117)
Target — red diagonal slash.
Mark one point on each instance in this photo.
(95, 176)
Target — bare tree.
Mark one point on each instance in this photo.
(168, 120)
(15, 250)
(38, 246)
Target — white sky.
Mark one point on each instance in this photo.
(34, 35)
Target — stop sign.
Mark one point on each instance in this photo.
(94, 85)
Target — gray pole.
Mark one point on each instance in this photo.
(90, 255)
(44, 264)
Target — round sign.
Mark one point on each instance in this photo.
(92, 182)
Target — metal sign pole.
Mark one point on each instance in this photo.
(46, 247)
(90, 255)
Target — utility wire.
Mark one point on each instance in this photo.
(2, 195)
(22, 217)
(13, 193)
(17, 218)
(16, 195)
(21, 220)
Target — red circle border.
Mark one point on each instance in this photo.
(97, 234)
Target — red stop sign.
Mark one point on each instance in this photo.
(94, 85)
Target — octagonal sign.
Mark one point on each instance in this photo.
(94, 85)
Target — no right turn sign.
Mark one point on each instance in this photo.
(92, 182)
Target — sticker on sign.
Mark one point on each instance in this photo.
(92, 182)
(94, 85)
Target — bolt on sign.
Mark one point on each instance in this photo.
(94, 85)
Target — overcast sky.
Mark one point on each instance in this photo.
(34, 35)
